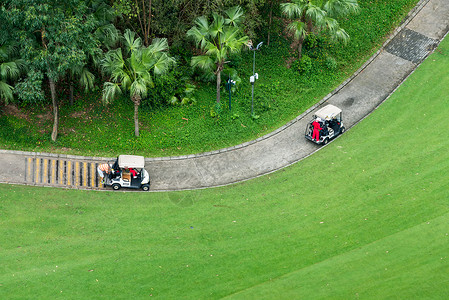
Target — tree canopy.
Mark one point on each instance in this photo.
(132, 69)
(217, 40)
(314, 16)
(54, 37)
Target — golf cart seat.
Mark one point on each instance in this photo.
(126, 175)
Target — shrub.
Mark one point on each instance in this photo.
(29, 90)
(331, 63)
(305, 65)
(184, 95)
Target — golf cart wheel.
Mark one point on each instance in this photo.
(116, 186)
(145, 187)
(342, 130)
(326, 140)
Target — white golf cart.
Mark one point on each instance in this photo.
(128, 171)
(330, 120)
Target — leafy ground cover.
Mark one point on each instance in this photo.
(365, 217)
(281, 94)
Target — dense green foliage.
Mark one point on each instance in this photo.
(55, 38)
(11, 68)
(218, 40)
(132, 70)
(318, 17)
(283, 91)
(376, 230)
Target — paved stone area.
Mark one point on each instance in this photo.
(419, 34)
(411, 45)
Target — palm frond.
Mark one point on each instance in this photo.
(298, 29)
(126, 79)
(104, 12)
(229, 34)
(331, 24)
(237, 44)
(163, 63)
(110, 91)
(316, 14)
(108, 35)
(147, 78)
(236, 16)
(4, 53)
(203, 62)
(21, 65)
(112, 61)
(293, 9)
(340, 35)
(6, 92)
(213, 50)
(135, 62)
(158, 45)
(131, 42)
(202, 24)
(9, 71)
(87, 79)
(216, 27)
(8, 50)
(139, 87)
(338, 8)
(198, 37)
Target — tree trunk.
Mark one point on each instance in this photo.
(300, 42)
(71, 93)
(270, 17)
(54, 100)
(144, 20)
(218, 84)
(136, 99)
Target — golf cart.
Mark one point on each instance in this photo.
(329, 120)
(128, 171)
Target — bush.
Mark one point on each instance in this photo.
(331, 63)
(29, 90)
(172, 84)
(305, 65)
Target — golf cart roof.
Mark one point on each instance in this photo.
(328, 112)
(131, 161)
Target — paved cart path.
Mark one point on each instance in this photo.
(407, 47)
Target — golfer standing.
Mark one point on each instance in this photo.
(102, 170)
(316, 129)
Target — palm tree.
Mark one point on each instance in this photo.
(107, 36)
(217, 40)
(10, 70)
(132, 72)
(85, 79)
(318, 15)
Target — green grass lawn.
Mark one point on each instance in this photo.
(365, 217)
(281, 94)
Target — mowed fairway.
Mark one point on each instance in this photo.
(367, 217)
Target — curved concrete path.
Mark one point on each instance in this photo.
(407, 47)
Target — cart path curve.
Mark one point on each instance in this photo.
(420, 33)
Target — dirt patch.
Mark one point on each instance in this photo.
(78, 114)
(12, 110)
(45, 117)
(289, 61)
